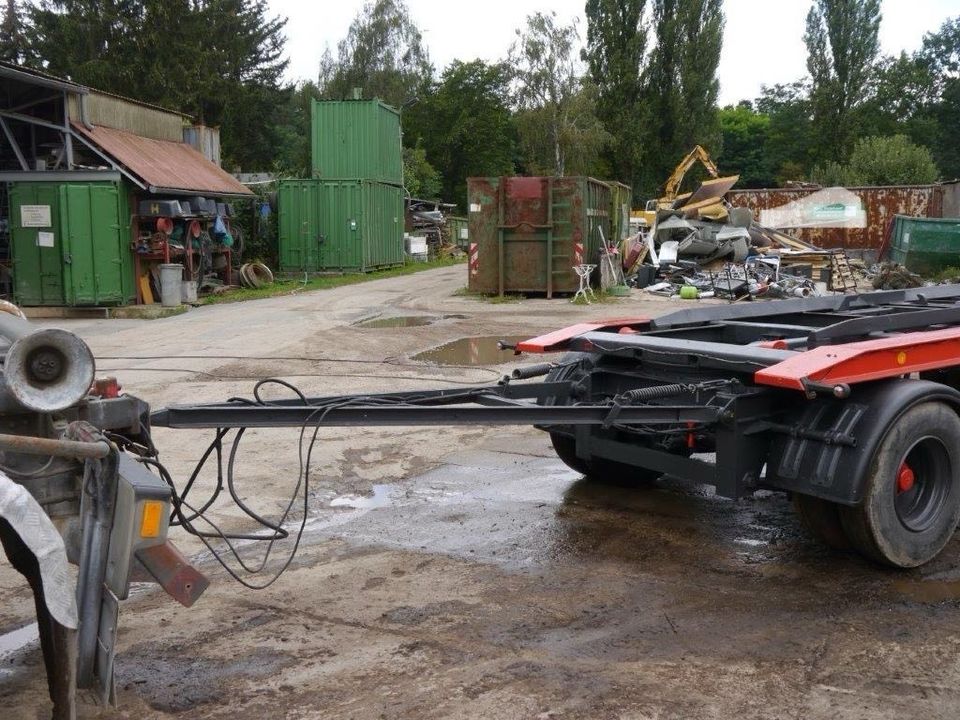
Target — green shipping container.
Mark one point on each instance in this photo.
(351, 225)
(925, 245)
(70, 243)
(356, 139)
(458, 231)
(527, 233)
(621, 198)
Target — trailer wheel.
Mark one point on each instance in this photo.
(566, 449)
(597, 469)
(822, 519)
(911, 500)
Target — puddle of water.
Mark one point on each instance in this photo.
(929, 591)
(471, 351)
(14, 641)
(380, 498)
(400, 321)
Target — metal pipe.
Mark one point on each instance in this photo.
(30, 445)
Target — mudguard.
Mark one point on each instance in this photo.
(33, 525)
(836, 472)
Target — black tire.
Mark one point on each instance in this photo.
(822, 519)
(906, 518)
(596, 469)
(566, 449)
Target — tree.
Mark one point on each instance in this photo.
(382, 54)
(616, 54)
(218, 60)
(681, 86)
(553, 118)
(890, 160)
(790, 139)
(941, 52)
(744, 148)
(465, 125)
(14, 46)
(842, 46)
(420, 178)
(901, 100)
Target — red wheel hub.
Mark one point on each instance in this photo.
(905, 478)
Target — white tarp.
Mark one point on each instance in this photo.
(831, 207)
(33, 525)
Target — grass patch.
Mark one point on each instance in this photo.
(600, 297)
(948, 274)
(323, 282)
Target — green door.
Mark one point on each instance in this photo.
(298, 226)
(36, 244)
(92, 243)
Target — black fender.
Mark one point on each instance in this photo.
(834, 471)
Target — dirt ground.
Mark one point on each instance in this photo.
(467, 573)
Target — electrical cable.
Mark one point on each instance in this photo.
(276, 529)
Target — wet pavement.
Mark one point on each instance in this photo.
(472, 351)
(465, 572)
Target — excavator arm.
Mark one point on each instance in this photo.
(672, 185)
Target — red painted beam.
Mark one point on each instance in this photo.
(558, 339)
(857, 362)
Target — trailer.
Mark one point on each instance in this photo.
(848, 403)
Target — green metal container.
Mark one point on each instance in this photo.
(528, 233)
(458, 231)
(70, 243)
(621, 199)
(339, 225)
(356, 139)
(925, 245)
(298, 225)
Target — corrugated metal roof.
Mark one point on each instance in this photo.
(163, 165)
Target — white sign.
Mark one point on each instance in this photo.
(35, 216)
(44, 239)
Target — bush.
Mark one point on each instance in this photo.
(892, 160)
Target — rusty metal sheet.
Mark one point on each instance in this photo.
(527, 233)
(163, 164)
(881, 205)
(173, 572)
(709, 193)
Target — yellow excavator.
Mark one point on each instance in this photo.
(672, 186)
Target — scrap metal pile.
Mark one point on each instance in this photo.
(699, 246)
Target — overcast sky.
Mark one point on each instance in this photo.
(763, 42)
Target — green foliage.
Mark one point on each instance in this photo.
(616, 54)
(218, 60)
(680, 86)
(890, 160)
(420, 178)
(790, 138)
(14, 43)
(464, 124)
(383, 55)
(556, 120)
(842, 47)
(745, 138)
(941, 50)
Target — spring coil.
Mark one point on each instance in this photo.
(652, 393)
